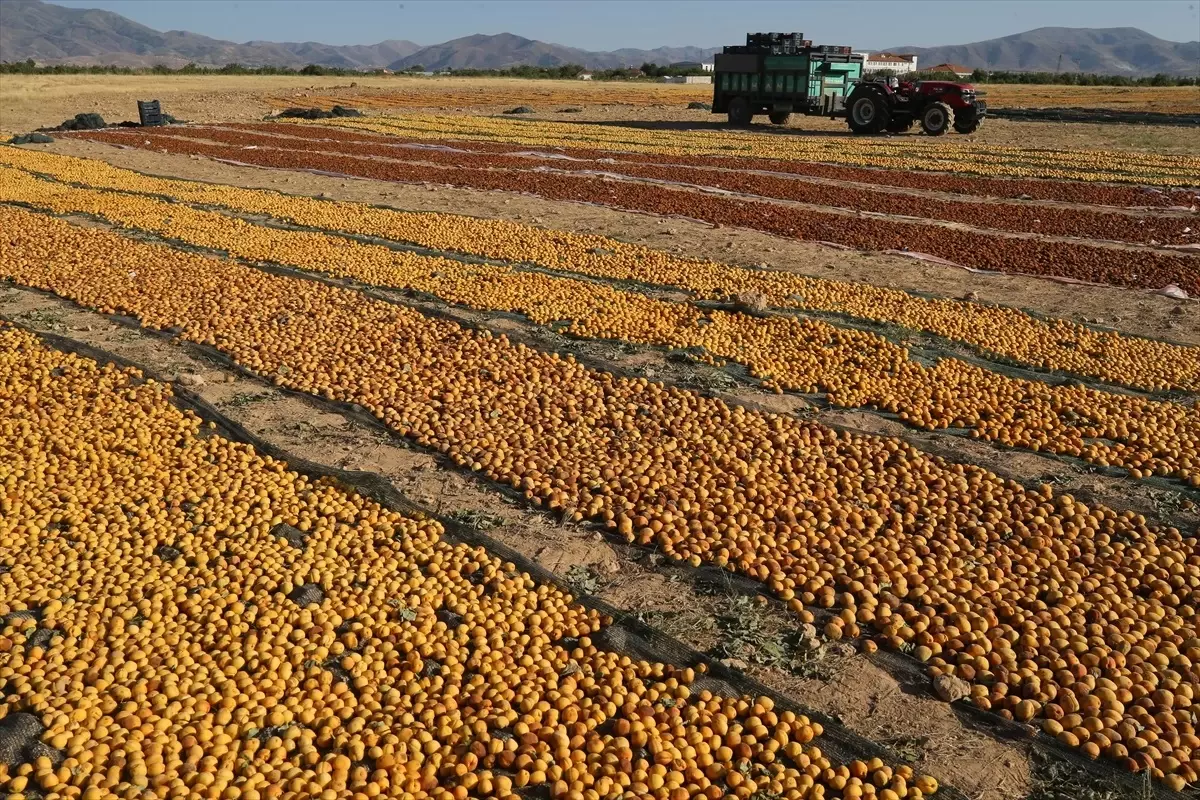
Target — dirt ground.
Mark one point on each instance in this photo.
(1141, 313)
(836, 681)
(31, 101)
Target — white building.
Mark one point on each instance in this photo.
(899, 64)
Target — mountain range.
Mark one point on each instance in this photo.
(51, 34)
(1107, 51)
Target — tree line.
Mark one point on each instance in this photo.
(648, 70)
(30, 67)
(1046, 78)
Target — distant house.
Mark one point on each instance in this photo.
(896, 63)
(584, 76)
(957, 69)
(688, 79)
(708, 67)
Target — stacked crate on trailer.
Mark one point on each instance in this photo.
(778, 74)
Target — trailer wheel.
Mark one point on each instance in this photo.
(779, 117)
(868, 113)
(935, 119)
(967, 123)
(739, 112)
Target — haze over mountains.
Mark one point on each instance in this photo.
(52, 34)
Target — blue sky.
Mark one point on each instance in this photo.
(610, 24)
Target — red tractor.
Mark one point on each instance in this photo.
(895, 106)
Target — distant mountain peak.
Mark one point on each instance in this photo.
(51, 34)
(501, 50)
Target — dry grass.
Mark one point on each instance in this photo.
(1167, 99)
(36, 100)
(28, 101)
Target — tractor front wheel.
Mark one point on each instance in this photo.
(967, 122)
(779, 117)
(739, 112)
(936, 119)
(868, 113)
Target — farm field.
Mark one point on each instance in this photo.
(893, 421)
(46, 100)
(476, 646)
(431, 93)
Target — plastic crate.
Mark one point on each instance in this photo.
(150, 112)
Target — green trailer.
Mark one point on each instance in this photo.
(783, 79)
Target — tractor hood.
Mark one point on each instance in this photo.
(930, 87)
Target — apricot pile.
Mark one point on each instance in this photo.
(907, 153)
(1058, 345)
(968, 185)
(978, 249)
(422, 94)
(853, 369)
(168, 640)
(1020, 217)
(1042, 602)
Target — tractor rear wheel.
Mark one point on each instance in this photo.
(967, 122)
(936, 119)
(779, 117)
(868, 113)
(739, 112)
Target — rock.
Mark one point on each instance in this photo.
(190, 380)
(520, 110)
(570, 110)
(950, 688)
(698, 106)
(735, 663)
(841, 649)
(611, 567)
(971, 296)
(652, 560)
(751, 301)
(809, 638)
